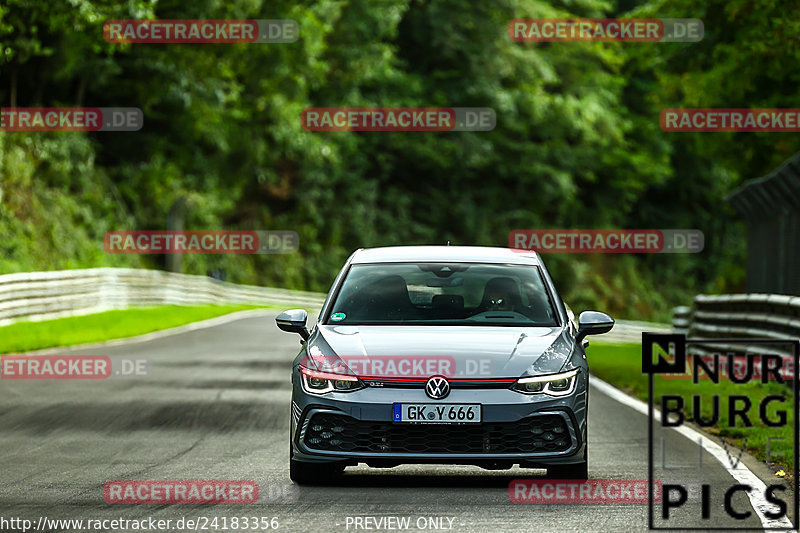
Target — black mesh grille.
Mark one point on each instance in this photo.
(536, 434)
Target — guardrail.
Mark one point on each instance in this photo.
(624, 331)
(47, 295)
(741, 316)
(628, 332)
(681, 319)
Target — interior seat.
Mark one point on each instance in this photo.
(387, 299)
(447, 306)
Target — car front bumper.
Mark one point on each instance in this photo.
(530, 430)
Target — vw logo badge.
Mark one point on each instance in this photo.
(437, 388)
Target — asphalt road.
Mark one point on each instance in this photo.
(215, 405)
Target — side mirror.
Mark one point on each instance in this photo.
(593, 323)
(294, 321)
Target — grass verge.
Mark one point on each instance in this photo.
(27, 336)
(621, 365)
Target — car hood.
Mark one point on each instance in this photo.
(468, 351)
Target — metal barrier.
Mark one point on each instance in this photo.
(628, 332)
(681, 319)
(47, 295)
(741, 316)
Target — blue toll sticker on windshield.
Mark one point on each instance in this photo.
(336, 317)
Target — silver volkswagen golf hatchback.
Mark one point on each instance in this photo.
(443, 355)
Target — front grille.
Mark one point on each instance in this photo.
(410, 383)
(535, 434)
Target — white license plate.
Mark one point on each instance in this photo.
(437, 413)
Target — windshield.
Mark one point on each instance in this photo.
(443, 293)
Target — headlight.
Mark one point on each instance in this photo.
(560, 384)
(316, 382)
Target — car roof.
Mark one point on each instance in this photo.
(445, 254)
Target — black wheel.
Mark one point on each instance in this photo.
(573, 471)
(577, 471)
(312, 473)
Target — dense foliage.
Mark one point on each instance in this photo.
(577, 142)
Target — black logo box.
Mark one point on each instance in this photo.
(679, 366)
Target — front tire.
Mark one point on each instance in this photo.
(312, 473)
(579, 471)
